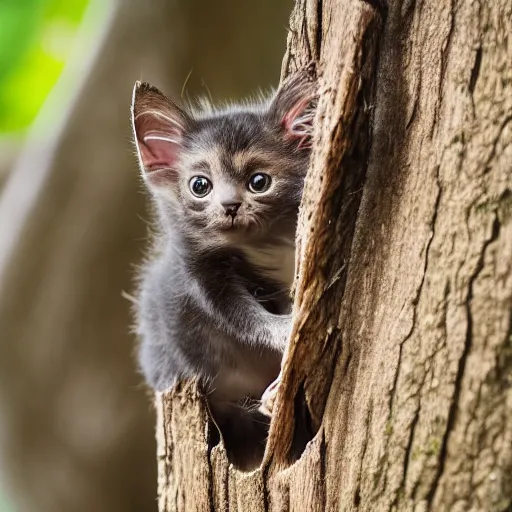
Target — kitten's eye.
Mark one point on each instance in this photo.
(200, 186)
(259, 183)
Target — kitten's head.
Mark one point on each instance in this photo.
(234, 172)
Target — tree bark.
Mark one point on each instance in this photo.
(400, 360)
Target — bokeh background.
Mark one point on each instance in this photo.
(76, 422)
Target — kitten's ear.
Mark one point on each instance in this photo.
(293, 108)
(158, 128)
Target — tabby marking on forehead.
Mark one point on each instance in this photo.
(202, 160)
(241, 159)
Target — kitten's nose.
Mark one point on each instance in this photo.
(231, 208)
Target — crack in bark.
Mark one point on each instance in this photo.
(305, 37)
(319, 28)
(323, 464)
(266, 492)
(410, 441)
(415, 107)
(444, 52)
(450, 424)
(303, 426)
(415, 302)
(475, 72)
(211, 493)
(414, 111)
(471, 96)
(430, 360)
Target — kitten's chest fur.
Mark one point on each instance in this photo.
(275, 260)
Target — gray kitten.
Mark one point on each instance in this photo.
(214, 300)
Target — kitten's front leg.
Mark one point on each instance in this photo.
(280, 327)
(249, 321)
(268, 398)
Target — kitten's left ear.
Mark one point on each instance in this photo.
(293, 108)
(158, 128)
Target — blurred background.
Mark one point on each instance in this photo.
(76, 422)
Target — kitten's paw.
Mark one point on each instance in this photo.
(269, 397)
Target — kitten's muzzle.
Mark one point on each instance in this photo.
(231, 208)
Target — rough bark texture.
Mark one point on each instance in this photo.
(400, 363)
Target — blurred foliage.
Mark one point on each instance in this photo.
(35, 38)
(4, 506)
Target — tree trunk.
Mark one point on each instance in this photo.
(400, 362)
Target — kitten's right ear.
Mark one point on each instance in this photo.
(158, 128)
(293, 108)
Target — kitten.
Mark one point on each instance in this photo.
(214, 300)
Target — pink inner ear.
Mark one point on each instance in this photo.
(158, 151)
(158, 139)
(298, 122)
